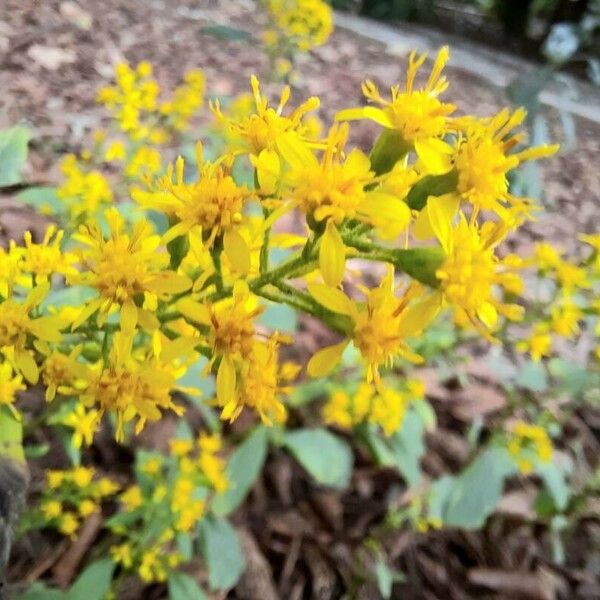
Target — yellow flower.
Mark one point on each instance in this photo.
(122, 554)
(84, 424)
(115, 151)
(45, 259)
(187, 99)
(538, 344)
(132, 497)
(528, 443)
(51, 509)
(10, 384)
(471, 274)
(82, 476)
(145, 162)
(83, 193)
(546, 256)
(482, 160)
(265, 128)
(137, 386)
(11, 269)
(565, 318)
(212, 206)
(152, 466)
(231, 333)
(378, 329)
(61, 371)
(87, 507)
(16, 324)
(258, 385)
(418, 116)
(105, 487)
(123, 267)
(303, 23)
(180, 447)
(68, 524)
(211, 466)
(55, 479)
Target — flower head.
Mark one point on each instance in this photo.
(263, 129)
(123, 268)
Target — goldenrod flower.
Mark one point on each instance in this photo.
(11, 269)
(10, 384)
(84, 193)
(16, 324)
(482, 161)
(264, 129)
(84, 425)
(61, 371)
(378, 329)
(122, 268)
(212, 206)
(471, 273)
(528, 444)
(418, 116)
(44, 259)
(131, 386)
(538, 343)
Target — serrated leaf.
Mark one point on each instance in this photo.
(242, 470)
(222, 553)
(183, 587)
(325, 456)
(13, 154)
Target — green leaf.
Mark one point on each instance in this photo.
(242, 470)
(385, 578)
(532, 377)
(408, 448)
(431, 185)
(43, 198)
(222, 552)
(94, 582)
(224, 32)
(11, 436)
(36, 451)
(556, 483)
(476, 492)
(420, 263)
(185, 546)
(178, 248)
(183, 587)
(325, 456)
(13, 154)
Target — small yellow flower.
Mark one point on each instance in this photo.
(132, 497)
(267, 126)
(46, 258)
(51, 509)
(378, 329)
(68, 524)
(10, 384)
(527, 444)
(87, 507)
(418, 116)
(123, 267)
(82, 476)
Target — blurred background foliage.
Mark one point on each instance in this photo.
(562, 31)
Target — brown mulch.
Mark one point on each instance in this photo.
(301, 541)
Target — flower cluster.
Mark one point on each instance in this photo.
(171, 496)
(568, 298)
(385, 408)
(529, 445)
(69, 498)
(111, 310)
(294, 26)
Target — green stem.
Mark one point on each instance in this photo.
(264, 250)
(216, 258)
